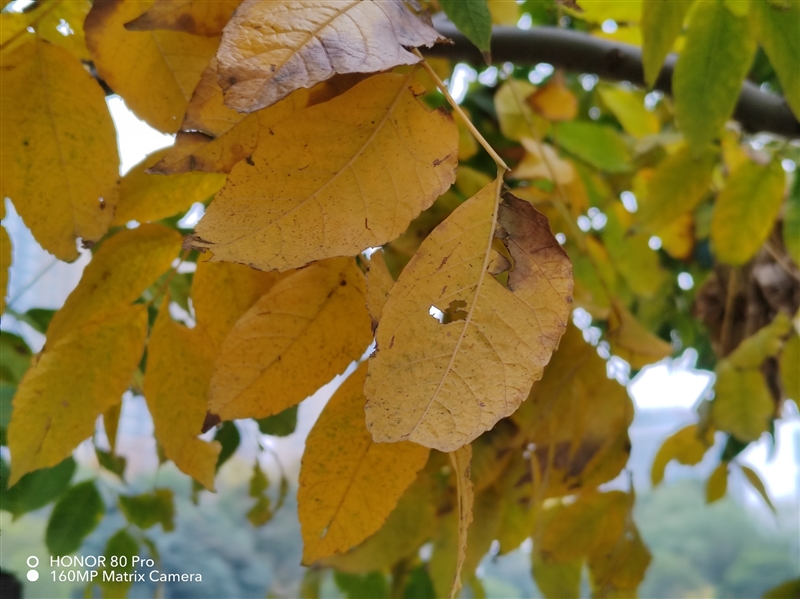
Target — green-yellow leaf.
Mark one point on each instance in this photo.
(74, 381)
(599, 145)
(126, 265)
(686, 446)
(557, 580)
(348, 484)
(742, 404)
(764, 343)
(144, 197)
(628, 107)
(476, 369)
(758, 485)
(662, 21)
(621, 569)
(791, 223)
(711, 68)
(179, 365)
(776, 28)
(271, 48)
(58, 154)
(198, 17)
(317, 314)
(717, 483)
(115, 581)
(473, 19)
(5, 265)
(745, 211)
(578, 420)
(277, 213)
(74, 516)
(678, 185)
(148, 509)
(790, 373)
(517, 119)
(154, 71)
(631, 341)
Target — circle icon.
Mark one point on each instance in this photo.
(35, 561)
(33, 575)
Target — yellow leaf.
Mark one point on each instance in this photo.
(745, 211)
(379, 282)
(406, 529)
(622, 568)
(542, 162)
(75, 380)
(154, 71)
(199, 17)
(317, 314)
(790, 373)
(628, 107)
(5, 265)
(717, 484)
(677, 238)
(758, 485)
(111, 424)
(461, 459)
(144, 197)
(517, 120)
(58, 153)
(687, 446)
(676, 187)
(598, 11)
(213, 137)
(555, 101)
(47, 19)
(631, 341)
(578, 419)
(271, 48)
(222, 292)
(475, 370)
(120, 271)
(179, 363)
(334, 179)
(348, 483)
(491, 453)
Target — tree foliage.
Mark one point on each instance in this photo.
(351, 201)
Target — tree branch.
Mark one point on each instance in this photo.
(757, 111)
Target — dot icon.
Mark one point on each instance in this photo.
(32, 562)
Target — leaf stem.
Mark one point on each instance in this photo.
(457, 109)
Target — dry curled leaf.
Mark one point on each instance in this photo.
(271, 48)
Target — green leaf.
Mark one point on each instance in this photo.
(787, 590)
(357, 586)
(758, 485)
(111, 462)
(711, 68)
(38, 318)
(600, 146)
(419, 585)
(745, 211)
(473, 19)
(121, 544)
(7, 391)
(279, 425)
(229, 438)
(662, 21)
(259, 482)
(777, 30)
(261, 512)
(679, 184)
(15, 357)
(35, 489)
(75, 515)
(149, 509)
(791, 223)
(717, 484)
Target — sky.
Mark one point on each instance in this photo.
(38, 280)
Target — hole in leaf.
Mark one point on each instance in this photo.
(436, 313)
(455, 311)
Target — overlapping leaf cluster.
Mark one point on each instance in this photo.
(312, 125)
